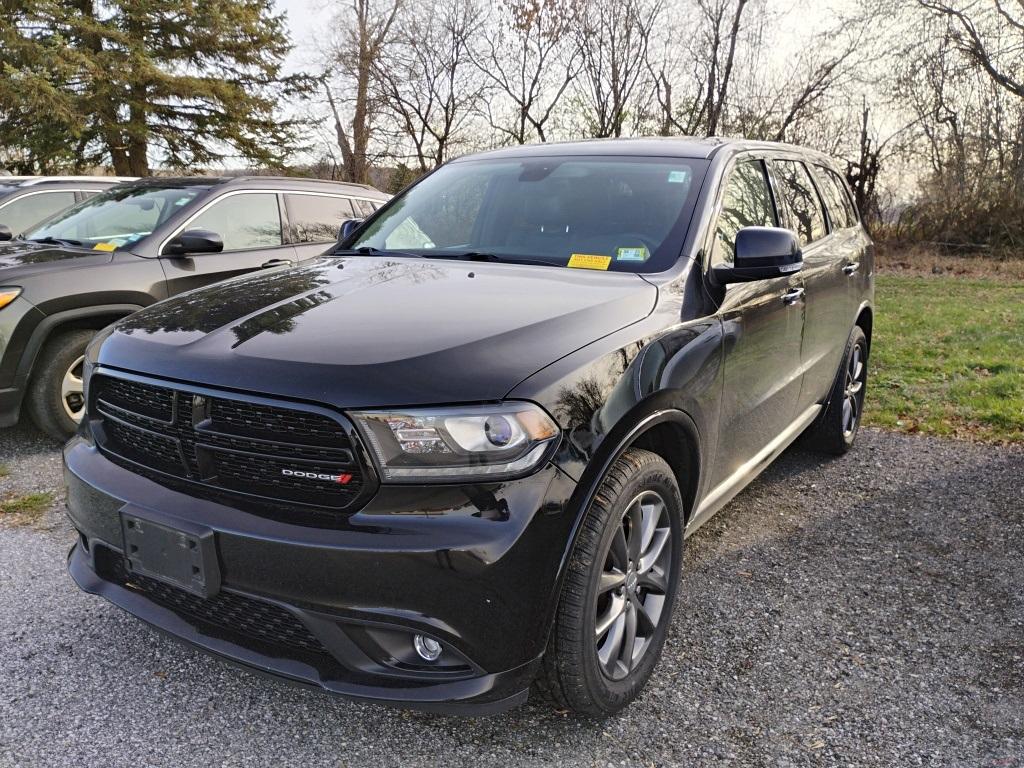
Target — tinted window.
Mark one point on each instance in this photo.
(746, 202)
(119, 216)
(316, 218)
(837, 198)
(243, 221)
(607, 213)
(802, 200)
(28, 211)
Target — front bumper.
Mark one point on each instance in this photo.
(475, 567)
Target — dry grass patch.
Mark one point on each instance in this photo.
(26, 508)
(929, 260)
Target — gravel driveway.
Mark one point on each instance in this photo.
(865, 611)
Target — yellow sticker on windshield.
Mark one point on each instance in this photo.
(105, 247)
(589, 261)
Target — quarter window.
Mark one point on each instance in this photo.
(802, 199)
(317, 218)
(29, 210)
(837, 197)
(747, 202)
(243, 221)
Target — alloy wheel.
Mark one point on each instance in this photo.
(72, 391)
(634, 583)
(853, 397)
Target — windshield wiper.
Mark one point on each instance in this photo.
(489, 257)
(55, 241)
(369, 250)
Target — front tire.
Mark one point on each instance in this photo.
(620, 589)
(56, 400)
(836, 429)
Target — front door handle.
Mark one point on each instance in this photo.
(792, 296)
(277, 263)
(851, 268)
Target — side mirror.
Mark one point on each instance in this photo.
(761, 254)
(348, 226)
(5, 233)
(194, 241)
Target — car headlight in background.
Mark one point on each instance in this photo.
(7, 295)
(485, 442)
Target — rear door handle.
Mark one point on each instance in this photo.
(792, 296)
(852, 267)
(277, 263)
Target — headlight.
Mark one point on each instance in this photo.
(486, 442)
(7, 295)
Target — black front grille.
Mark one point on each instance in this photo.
(222, 446)
(233, 617)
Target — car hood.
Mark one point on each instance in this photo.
(371, 331)
(19, 258)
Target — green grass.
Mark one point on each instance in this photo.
(4, 471)
(30, 505)
(947, 357)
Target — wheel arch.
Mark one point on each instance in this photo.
(866, 320)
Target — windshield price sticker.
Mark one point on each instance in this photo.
(589, 261)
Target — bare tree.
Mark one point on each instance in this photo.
(368, 26)
(427, 81)
(981, 30)
(613, 36)
(530, 59)
(723, 26)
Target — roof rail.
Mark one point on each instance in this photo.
(28, 181)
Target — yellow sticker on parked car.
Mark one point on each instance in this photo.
(589, 261)
(105, 247)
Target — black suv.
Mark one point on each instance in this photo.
(29, 200)
(459, 455)
(135, 244)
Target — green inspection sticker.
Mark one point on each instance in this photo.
(678, 177)
(638, 253)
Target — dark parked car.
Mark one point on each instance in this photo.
(29, 200)
(459, 457)
(133, 245)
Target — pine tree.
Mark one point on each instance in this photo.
(124, 81)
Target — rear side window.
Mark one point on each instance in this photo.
(316, 218)
(802, 199)
(745, 203)
(245, 221)
(364, 207)
(27, 211)
(840, 207)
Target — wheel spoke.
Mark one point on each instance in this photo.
(847, 413)
(616, 605)
(636, 522)
(611, 580)
(648, 613)
(629, 641)
(854, 387)
(608, 653)
(71, 384)
(654, 581)
(856, 363)
(653, 552)
(620, 552)
(651, 513)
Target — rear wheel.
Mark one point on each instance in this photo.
(836, 429)
(56, 400)
(620, 590)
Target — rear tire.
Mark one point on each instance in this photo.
(836, 429)
(619, 592)
(55, 400)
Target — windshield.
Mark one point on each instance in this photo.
(115, 218)
(627, 214)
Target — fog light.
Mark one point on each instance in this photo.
(427, 647)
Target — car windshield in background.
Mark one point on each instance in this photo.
(116, 218)
(626, 214)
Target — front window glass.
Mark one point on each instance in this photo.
(116, 218)
(746, 202)
(243, 221)
(317, 218)
(616, 213)
(31, 209)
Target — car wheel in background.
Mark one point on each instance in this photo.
(55, 398)
(619, 591)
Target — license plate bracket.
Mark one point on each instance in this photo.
(181, 554)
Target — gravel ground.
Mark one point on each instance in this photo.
(865, 611)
